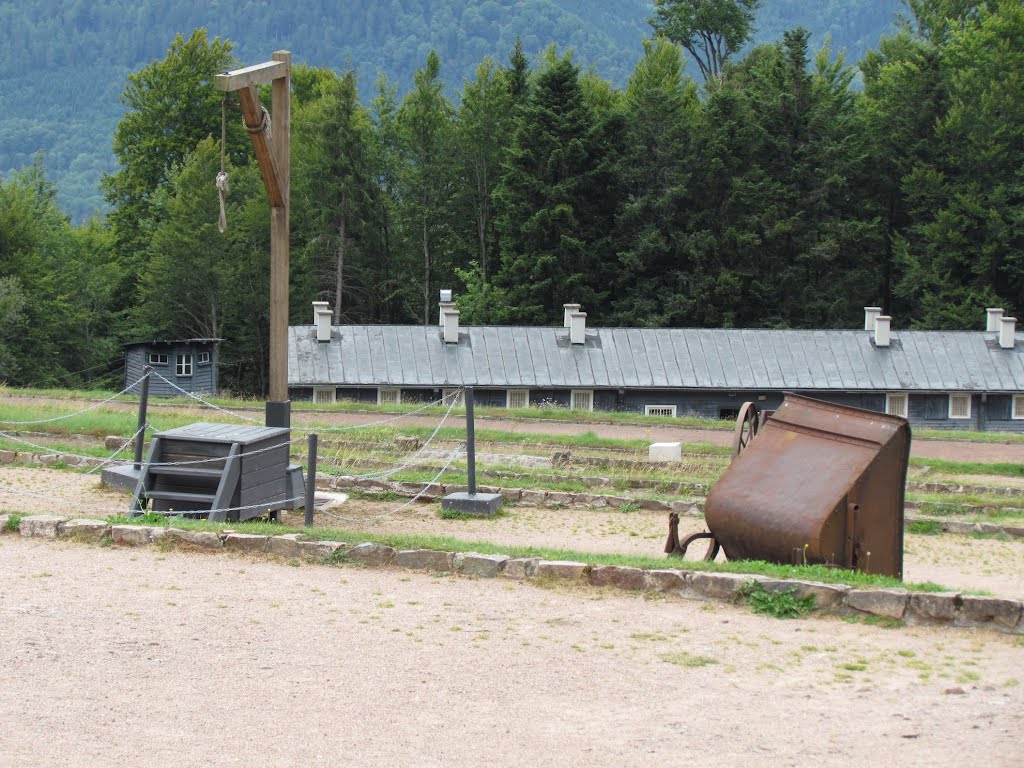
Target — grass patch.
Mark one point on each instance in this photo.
(781, 605)
(13, 522)
(885, 622)
(925, 527)
(1004, 469)
(689, 660)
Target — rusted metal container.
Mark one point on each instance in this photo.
(820, 483)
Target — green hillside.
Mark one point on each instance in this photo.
(63, 63)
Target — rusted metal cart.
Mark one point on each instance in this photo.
(814, 482)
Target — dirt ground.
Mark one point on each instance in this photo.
(122, 657)
(957, 562)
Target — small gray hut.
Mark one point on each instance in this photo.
(190, 363)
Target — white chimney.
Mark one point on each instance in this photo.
(443, 307)
(317, 306)
(870, 313)
(578, 327)
(567, 317)
(450, 320)
(323, 323)
(883, 330)
(1007, 332)
(992, 317)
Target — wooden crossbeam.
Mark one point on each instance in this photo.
(252, 114)
(237, 79)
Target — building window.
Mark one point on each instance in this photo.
(183, 365)
(204, 357)
(896, 404)
(1017, 407)
(659, 410)
(517, 398)
(449, 392)
(959, 406)
(581, 399)
(389, 396)
(157, 359)
(323, 395)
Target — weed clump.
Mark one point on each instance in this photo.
(781, 605)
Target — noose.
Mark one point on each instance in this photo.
(222, 177)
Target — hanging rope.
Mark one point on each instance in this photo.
(222, 177)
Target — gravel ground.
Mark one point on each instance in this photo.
(122, 657)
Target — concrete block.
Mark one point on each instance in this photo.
(928, 606)
(482, 504)
(372, 554)
(560, 569)
(482, 566)
(520, 567)
(246, 542)
(83, 528)
(879, 602)
(42, 526)
(623, 577)
(665, 452)
(671, 581)
(425, 560)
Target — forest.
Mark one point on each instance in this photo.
(63, 63)
(723, 184)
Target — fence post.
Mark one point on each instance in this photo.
(140, 430)
(470, 442)
(310, 480)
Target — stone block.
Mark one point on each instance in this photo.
(246, 542)
(928, 606)
(425, 560)
(132, 535)
(406, 443)
(879, 602)
(8, 457)
(533, 498)
(318, 550)
(559, 499)
(989, 610)
(623, 577)
(3, 523)
(670, 581)
(42, 526)
(482, 566)
(665, 452)
(520, 567)
(372, 554)
(480, 504)
(286, 545)
(560, 569)
(204, 539)
(653, 505)
(826, 596)
(113, 443)
(49, 459)
(720, 586)
(83, 528)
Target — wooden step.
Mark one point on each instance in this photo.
(189, 472)
(192, 498)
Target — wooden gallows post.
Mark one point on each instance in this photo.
(271, 140)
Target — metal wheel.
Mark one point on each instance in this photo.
(747, 423)
(713, 546)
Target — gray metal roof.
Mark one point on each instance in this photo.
(631, 358)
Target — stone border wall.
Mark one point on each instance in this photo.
(947, 609)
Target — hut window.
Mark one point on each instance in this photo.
(659, 410)
(449, 392)
(157, 359)
(581, 399)
(389, 396)
(204, 357)
(183, 365)
(324, 395)
(896, 404)
(1017, 410)
(959, 406)
(517, 398)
